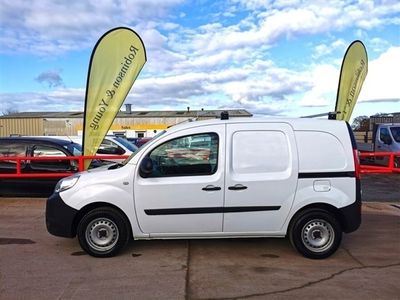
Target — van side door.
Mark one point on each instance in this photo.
(261, 176)
(184, 191)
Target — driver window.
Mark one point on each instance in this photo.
(186, 156)
(385, 136)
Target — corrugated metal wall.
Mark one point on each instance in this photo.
(59, 127)
(71, 126)
(152, 121)
(25, 126)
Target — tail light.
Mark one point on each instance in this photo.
(356, 153)
(356, 156)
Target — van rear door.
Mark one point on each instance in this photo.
(261, 176)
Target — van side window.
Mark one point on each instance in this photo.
(260, 152)
(186, 156)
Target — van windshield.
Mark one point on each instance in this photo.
(395, 133)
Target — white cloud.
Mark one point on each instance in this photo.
(259, 86)
(289, 19)
(381, 84)
(382, 81)
(322, 50)
(213, 64)
(46, 26)
(378, 44)
(324, 86)
(58, 100)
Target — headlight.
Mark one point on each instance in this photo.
(66, 183)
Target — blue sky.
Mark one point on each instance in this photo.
(277, 58)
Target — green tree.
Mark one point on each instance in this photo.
(360, 123)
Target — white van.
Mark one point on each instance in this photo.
(217, 179)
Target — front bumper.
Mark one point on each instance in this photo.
(60, 217)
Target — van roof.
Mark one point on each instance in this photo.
(296, 123)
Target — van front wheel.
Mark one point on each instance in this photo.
(315, 233)
(103, 232)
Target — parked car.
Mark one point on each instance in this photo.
(114, 145)
(111, 145)
(35, 147)
(139, 142)
(220, 178)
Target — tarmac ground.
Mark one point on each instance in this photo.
(36, 265)
(380, 187)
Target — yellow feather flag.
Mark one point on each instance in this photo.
(116, 61)
(352, 75)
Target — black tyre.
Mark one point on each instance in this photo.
(315, 233)
(103, 232)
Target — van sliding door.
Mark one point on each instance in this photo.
(261, 176)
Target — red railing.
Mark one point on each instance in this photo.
(391, 163)
(391, 166)
(80, 159)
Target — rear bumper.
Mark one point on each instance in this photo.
(60, 217)
(351, 214)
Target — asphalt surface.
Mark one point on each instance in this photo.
(380, 187)
(36, 265)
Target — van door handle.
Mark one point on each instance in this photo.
(237, 187)
(211, 188)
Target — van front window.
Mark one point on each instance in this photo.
(186, 156)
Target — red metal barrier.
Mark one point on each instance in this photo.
(80, 159)
(392, 165)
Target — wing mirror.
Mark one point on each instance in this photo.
(146, 167)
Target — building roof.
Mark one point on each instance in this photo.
(133, 114)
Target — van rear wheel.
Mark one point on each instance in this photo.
(103, 232)
(315, 233)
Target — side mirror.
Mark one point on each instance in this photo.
(146, 167)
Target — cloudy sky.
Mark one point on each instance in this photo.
(278, 58)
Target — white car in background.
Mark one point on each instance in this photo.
(114, 145)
